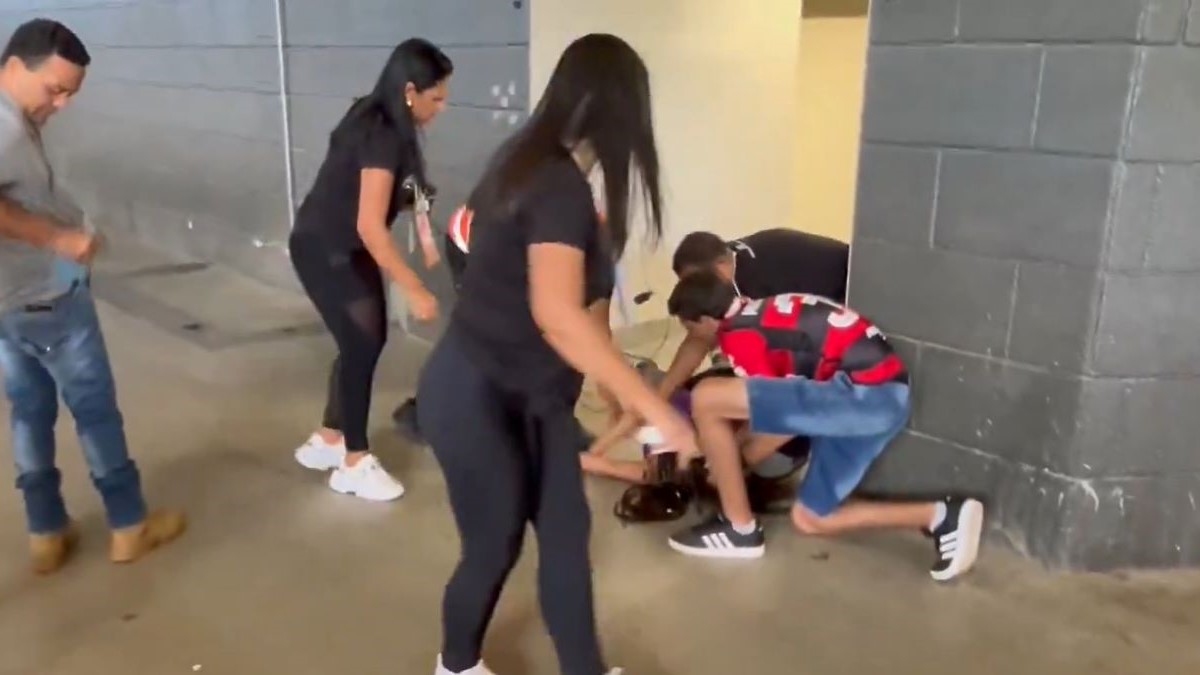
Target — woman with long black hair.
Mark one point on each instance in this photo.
(497, 394)
(342, 249)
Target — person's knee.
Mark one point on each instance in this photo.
(565, 530)
(492, 554)
(807, 522)
(370, 345)
(494, 531)
(720, 397)
(94, 406)
(359, 357)
(30, 399)
(706, 397)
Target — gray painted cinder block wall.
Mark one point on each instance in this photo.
(335, 51)
(178, 134)
(1027, 229)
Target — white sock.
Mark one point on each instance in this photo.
(748, 528)
(939, 516)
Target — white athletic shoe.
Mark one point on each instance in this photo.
(318, 455)
(957, 539)
(366, 480)
(479, 669)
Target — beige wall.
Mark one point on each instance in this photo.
(833, 53)
(723, 76)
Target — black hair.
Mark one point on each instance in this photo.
(414, 60)
(599, 93)
(703, 293)
(38, 39)
(698, 250)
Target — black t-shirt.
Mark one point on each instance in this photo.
(493, 315)
(331, 208)
(778, 261)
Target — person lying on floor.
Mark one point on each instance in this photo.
(770, 460)
(765, 263)
(457, 247)
(807, 366)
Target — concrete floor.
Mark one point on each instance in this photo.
(279, 575)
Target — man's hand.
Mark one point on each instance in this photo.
(75, 245)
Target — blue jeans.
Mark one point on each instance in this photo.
(53, 347)
(849, 424)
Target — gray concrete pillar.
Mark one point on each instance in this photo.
(1028, 228)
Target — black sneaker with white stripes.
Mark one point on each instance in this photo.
(716, 538)
(957, 538)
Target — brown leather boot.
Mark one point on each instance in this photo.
(49, 552)
(130, 544)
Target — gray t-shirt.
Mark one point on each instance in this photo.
(29, 274)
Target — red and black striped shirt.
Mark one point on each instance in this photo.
(800, 335)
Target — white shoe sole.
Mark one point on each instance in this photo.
(479, 669)
(970, 524)
(740, 553)
(341, 487)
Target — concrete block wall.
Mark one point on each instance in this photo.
(335, 51)
(1026, 228)
(178, 134)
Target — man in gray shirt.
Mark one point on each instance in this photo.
(50, 337)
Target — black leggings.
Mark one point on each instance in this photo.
(506, 466)
(348, 291)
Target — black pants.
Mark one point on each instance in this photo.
(506, 466)
(348, 291)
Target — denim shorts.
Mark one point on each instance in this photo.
(850, 425)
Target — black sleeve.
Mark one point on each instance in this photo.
(559, 209)
(381, 148)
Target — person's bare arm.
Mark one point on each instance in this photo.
(41, 232)
(600, 312)
(556, 298)
(556, 282)
(375, 194)
(17, 223)
(374, 197)
(688, 358)
(627, 471)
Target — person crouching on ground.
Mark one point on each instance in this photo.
(761, 264)
(807, 366)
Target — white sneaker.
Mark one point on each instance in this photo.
(366, 480)
(479, 669)
(318, 455)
